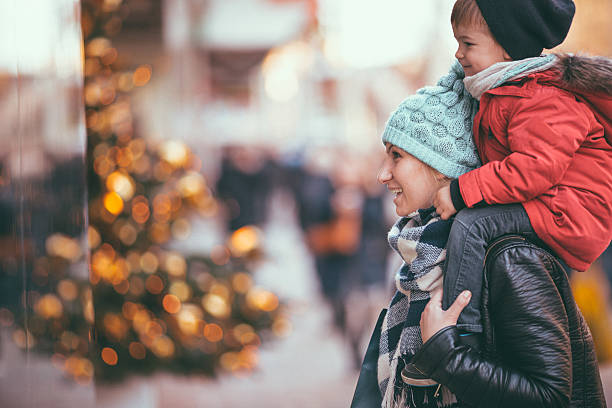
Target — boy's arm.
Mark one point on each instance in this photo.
(543, 136)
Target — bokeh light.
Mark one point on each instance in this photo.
(260, 299)
(63, 246)
(181, 290)
(140, 209)
(191, 184)
(49, 306)
(216, 305)
(181, 229)
(154, 284)
(67, 290)
(97, 47)
(174, 152)
(175, 264)
(163, 347)
(129, 310)
(113, 203)
(220, 255)
(80, 368)
(213, 332)
(115, 325)
(128, 233)
(149, 262)
(109, 356)
(190, 320)
(122, 184)
(244, 240)
(137, 350)
(93, 237)
(242, 282)
(171, 303)
(142, 75)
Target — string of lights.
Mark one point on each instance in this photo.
(144, 307)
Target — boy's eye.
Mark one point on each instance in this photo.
(395, 154)
(468, 44)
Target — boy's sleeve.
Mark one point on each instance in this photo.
(456, 197)
(543, 136)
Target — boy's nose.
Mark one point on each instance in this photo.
(458, 53)
(384, 174)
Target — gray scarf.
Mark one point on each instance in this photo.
(497, 74)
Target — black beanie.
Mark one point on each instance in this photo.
(525, 27)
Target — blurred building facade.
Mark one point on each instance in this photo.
(43, 208)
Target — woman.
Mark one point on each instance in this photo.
(426, 147)
(536, 348)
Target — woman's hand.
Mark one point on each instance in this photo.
(435, 319)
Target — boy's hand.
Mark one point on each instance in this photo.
(434, 318)
(443, 203)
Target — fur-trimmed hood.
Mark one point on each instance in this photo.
(585, 74)
(590, 79)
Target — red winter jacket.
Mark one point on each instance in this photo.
(543, 146)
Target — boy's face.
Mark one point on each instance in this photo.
(477, 49)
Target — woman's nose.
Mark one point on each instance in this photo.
(384, 174)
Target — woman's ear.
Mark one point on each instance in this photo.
(507, 56)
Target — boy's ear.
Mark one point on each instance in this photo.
(507, 56)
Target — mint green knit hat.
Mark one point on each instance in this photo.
(435, 125)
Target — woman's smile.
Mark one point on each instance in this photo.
(409, 179)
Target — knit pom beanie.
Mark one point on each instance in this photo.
(525, 27)
(435, 125)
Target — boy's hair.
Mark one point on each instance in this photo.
(467, 12)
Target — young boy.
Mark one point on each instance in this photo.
(541, 134)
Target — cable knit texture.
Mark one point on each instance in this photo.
(435, 125)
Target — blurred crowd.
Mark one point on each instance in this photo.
(341, 211)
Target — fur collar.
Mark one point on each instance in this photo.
(590, 79)
(584, 73)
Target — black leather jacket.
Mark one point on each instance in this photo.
(538, 350)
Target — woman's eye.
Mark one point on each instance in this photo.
(395, 155)
(468, 44)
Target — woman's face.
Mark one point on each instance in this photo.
(412, 182)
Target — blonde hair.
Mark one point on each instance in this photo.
(438, 177)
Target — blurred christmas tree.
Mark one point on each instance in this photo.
(156, 309)
(144, 307)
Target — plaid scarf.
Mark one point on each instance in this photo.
(420, 239)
